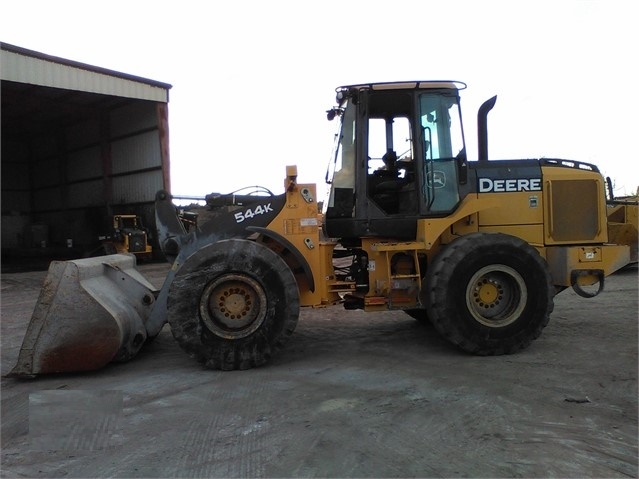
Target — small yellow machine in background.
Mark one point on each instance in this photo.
(128, 236)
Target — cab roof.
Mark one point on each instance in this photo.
(408, 85)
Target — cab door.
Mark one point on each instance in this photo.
(388, 182)
(442, 151)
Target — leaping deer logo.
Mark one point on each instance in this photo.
(437, 179)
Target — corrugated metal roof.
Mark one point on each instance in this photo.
(21, 65)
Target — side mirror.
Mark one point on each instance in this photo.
(332, 113)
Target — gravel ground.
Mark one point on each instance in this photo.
(352, 395)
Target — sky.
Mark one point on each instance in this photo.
(252, 80)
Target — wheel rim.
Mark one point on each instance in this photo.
(233, 306)
(496, 296)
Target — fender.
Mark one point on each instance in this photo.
(291, 247)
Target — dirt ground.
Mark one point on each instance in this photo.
(352, 395)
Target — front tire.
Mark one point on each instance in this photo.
(233, 304)
(489, 293)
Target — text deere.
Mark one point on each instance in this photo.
(488, 185)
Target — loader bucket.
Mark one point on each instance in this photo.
(90, 312)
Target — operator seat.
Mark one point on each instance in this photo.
(385, 183)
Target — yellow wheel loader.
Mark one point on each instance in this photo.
(479, 248)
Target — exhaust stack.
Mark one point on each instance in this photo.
(482, 128)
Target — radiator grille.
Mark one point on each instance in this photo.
(574, 210)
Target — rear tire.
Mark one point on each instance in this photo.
(233, 304)
(489, 293)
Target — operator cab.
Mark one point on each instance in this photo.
(399, 156)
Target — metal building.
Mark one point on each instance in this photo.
(80, 143)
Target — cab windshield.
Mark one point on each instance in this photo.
(342, 173)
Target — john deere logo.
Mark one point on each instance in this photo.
(437, 179)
